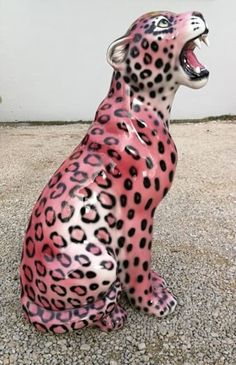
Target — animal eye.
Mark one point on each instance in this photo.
(163, 23)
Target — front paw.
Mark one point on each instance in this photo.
(162, 303)
(159, 302)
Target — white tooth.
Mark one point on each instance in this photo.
(206, 41)
(197, 70)
(198, 43)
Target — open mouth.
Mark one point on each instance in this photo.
(189, 62)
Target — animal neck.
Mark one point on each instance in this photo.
(153, 106)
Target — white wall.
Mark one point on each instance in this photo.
(52, 56)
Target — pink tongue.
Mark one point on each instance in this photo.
(192, 59)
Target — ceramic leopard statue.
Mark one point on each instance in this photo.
(90, 232)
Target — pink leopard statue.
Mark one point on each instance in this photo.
(90, 232)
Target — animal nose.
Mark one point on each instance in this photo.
(196, 13)
(199, 15)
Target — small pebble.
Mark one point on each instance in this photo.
(85, 347)
(215, 314)
(163, 331)
(141, 346)
(129, 338)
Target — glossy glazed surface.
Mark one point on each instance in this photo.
(90, 232)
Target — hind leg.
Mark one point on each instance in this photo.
(75, 293)
(104, 313)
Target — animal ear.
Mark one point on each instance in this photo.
(117, 51)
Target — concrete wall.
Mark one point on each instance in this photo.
(52, 56)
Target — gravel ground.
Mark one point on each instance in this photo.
(194, 248)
